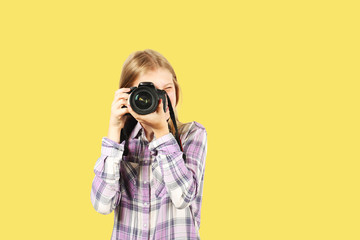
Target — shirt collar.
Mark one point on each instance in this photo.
(138, 129)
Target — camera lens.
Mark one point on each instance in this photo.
(143, 100)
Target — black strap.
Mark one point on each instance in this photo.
(172, 115)
(126, 131)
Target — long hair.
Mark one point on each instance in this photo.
(144, 61)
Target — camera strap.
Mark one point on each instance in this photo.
(172, 115)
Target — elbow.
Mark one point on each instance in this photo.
(101, 207)
(181, 204)
(104, 210)
(104, 197)
(181, 200)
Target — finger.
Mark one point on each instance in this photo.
(161, 106)
(121, 112)
(116, 102)
(120, 96)
(122, 90)
(131, 111)
(120, 103)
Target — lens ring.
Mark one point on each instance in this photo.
(144, 100)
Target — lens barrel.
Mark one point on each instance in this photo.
(145, 98)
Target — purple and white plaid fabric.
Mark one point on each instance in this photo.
(154, 192)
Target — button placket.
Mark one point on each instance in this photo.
(146, 201)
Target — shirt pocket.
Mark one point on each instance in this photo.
(129, 172)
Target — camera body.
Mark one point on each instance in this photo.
(144, 98)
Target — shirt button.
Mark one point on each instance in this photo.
(145, 182)
(145, 225)
(145, 203)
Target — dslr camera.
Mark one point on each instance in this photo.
(144, 98)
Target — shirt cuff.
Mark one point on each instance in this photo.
(166, 143)
(111, 148)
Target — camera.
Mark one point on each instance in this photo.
(144, 99)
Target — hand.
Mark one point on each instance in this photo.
(157, 120)
(117, 117)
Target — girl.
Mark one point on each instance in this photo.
(156, 192)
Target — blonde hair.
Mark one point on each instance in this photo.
(144, 61)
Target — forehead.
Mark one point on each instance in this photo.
(160, 77)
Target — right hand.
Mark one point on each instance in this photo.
(117, 117)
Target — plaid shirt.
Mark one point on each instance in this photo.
(155, 193)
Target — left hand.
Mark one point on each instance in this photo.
(157, 120)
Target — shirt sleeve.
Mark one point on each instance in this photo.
(182, 178)
(105, 191)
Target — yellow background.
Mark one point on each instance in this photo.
(275, 83)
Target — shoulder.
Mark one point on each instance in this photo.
(191, 128)
(198, 125)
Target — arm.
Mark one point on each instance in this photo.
(105, 192)
(182, 179)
